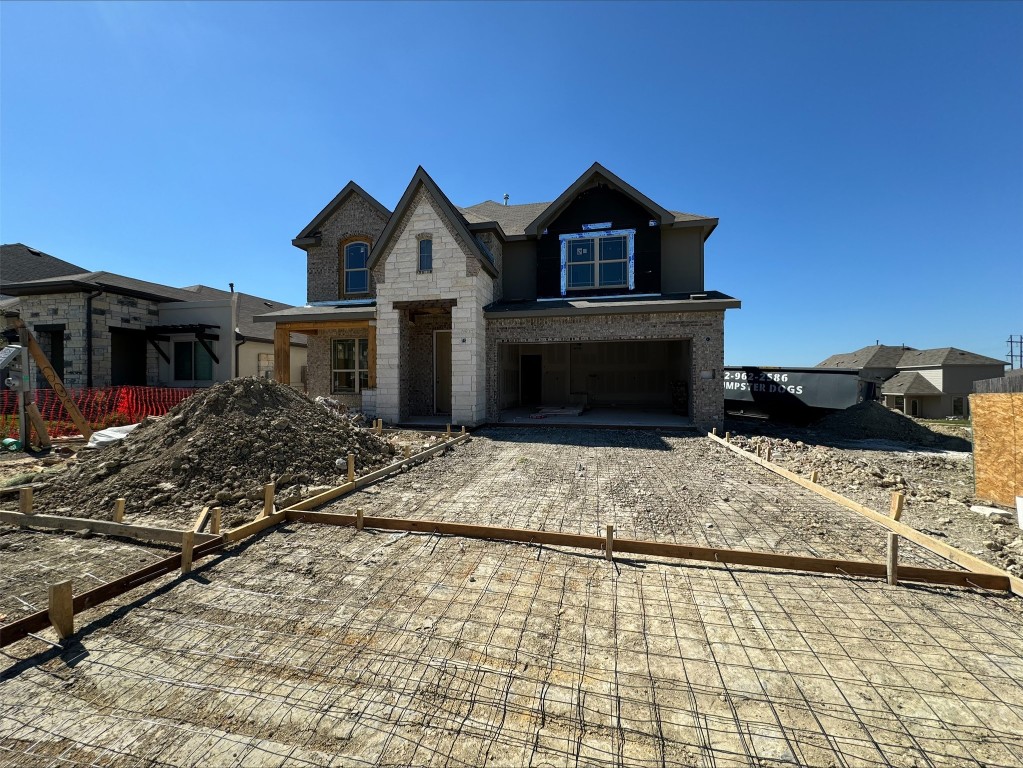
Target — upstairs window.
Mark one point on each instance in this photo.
(426, 255)
(356, 264)
(590, 260)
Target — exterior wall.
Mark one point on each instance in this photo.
(704, 330)
(682, 260)
(248, 359)
(219, 313)
(959, 378)
(457, 274)
(518, 275)
(108, 310)
(318, 366)
(354, 218)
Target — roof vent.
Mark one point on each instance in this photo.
(697, 295)
(506, 198)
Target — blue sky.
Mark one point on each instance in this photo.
(865, 160)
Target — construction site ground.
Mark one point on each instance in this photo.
(319, 645)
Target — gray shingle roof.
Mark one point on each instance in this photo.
(19, 263)
(874, 356)
(909, 383)
(944, 356)
(513, 218)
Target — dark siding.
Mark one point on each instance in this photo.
(597, 204)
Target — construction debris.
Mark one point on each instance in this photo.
(870, 420)
(218, 448)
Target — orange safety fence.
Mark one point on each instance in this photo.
(102, 408)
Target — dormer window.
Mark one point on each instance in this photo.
(590, 260)
(425, 254)
(356, 265)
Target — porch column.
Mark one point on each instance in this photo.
(282, 355)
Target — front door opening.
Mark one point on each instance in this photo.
(442, 371)
(531, 367)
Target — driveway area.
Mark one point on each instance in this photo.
(318, 645)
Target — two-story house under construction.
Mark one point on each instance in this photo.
(596, 300)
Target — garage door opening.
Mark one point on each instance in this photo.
(627, 383)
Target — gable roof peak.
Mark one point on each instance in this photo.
(349, 189)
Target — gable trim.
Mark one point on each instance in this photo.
(309, 235)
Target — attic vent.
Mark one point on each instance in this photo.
(697, 295)
(33, 251)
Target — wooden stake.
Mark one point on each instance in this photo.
(187, 543)
(25, 501)
(119, 511)
(215, 520)
(714, 431)
(351, 467)
(463, 429)
(767, 453)
(759, 447)
(893, 559)
(380, 426)
(408, 451)
(449, 432)
(898, 500)
(358, 520)
(610, 538)
(268, 499)
(728, 436)
(61, 609)
(814, 475)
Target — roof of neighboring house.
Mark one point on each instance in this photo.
(875, 356)
(422, 179)
(248, 305)
(19, 263)
(909, 383)
(944, 356)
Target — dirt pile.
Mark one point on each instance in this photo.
(218, 447)
(870, 420)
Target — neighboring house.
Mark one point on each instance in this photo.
(19, 264)
(929, 383)
(596, 299)
(100, 329)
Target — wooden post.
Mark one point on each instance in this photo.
(408, 451)
(351, 467)
(358, 520)
(898, 499)
(187, 542)
(61, 609)
(758, 450)
(282, 355)
(893, 558)
(380, 426)
(215, 520)
(268, 499)
(814, 475)
(714, 431)
(463, 429)
(25, 501)
(610, 538)
(728, 436)
(449, 432)
(767, 453)
(119, 511)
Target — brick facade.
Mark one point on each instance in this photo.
(704, 330)
(355, 219)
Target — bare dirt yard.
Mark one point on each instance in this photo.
(318, 645)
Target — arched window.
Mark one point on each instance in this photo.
(356, 266)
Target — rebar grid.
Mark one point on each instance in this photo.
(683, 490)
(32, 559)
(322, 646)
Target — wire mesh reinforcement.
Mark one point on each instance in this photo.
(327, 647)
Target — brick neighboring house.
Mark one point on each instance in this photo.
(100, 329)
(596, 298)
(928, 383)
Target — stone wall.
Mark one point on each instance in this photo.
(457, 276)
(354, 219)
(704, 330)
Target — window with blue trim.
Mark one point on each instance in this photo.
(592, 260)
(426, 255)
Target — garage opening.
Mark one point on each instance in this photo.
(597, 382)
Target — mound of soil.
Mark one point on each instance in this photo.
(870, 420)
(218, 448)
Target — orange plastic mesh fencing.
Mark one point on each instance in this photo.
(102, 408)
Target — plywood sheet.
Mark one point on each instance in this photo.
(998, 446)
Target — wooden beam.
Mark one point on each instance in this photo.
(659, 549)
(898, 500)
(46, 368)
(106, 527)
(305, 326)
(32, 411)
(61, 610)
(371, 352)
(950, 553)
(257, 525)
(892, 561)
(268, 499)
(282, 355)
(201, 520)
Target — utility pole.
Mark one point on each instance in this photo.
(1015, 351)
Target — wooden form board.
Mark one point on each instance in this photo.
(950, 553)
(659, 549)
(998, 446)
(142, 533)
